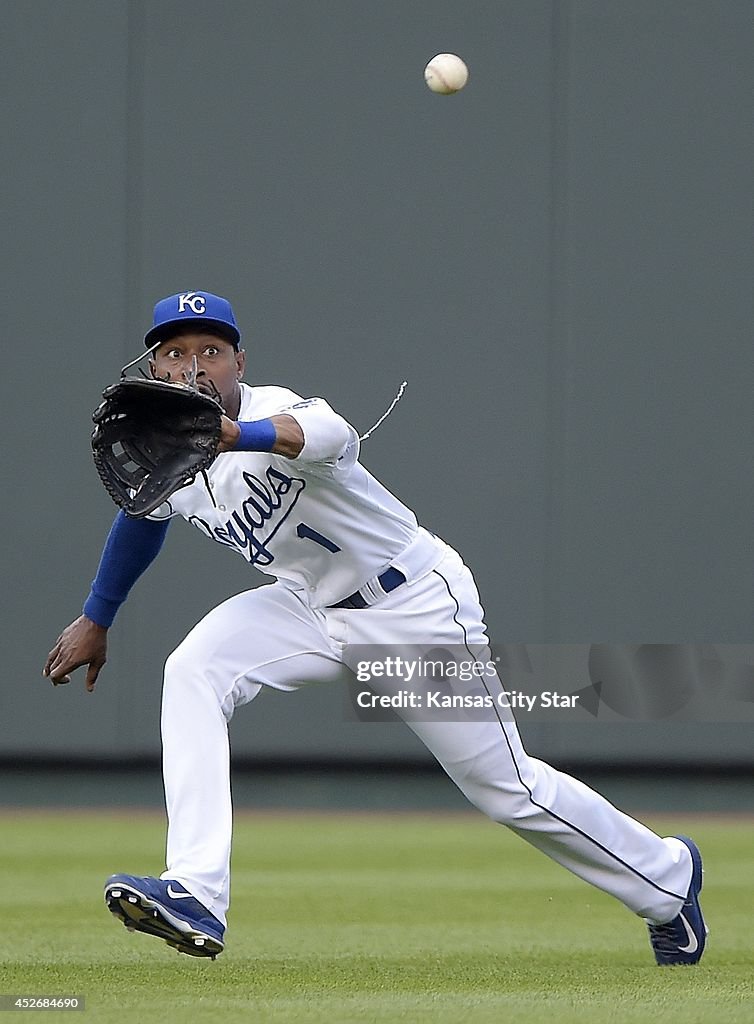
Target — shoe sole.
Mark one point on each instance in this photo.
(140, 913)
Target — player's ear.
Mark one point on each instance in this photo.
(240, 363)
(152, 366)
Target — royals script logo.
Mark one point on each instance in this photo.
(252, 526)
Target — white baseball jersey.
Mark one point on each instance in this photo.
(319, 521)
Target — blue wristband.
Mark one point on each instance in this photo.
(256, 436)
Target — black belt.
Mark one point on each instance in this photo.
(389, 580)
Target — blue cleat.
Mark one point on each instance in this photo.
(166, 910)
(682, 940)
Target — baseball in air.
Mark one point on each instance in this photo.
(446, 73)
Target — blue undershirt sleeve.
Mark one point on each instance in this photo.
(132, 545)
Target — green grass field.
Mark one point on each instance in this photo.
(340, 918)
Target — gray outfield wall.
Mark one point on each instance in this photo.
(558, 260)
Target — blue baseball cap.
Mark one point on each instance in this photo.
(189, 309)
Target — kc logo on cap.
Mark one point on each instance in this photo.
(176, 312)
(197, 303)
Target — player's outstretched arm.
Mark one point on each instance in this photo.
(82, 643)
(131, 546)
(310, 432)
(280, 434)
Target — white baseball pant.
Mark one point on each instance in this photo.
(270, 636)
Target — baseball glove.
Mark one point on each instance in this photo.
(151, 438)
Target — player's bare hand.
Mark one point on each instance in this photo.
(229, 435)
(81, 643)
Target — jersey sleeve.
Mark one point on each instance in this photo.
(331, 444)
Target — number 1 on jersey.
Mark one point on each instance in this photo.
(306, 532)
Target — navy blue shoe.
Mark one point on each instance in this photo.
(167, 910)
(682, 940)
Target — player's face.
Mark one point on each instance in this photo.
(218, 366)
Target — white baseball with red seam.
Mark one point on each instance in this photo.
(446, 73)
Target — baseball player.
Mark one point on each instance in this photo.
(351, 569)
